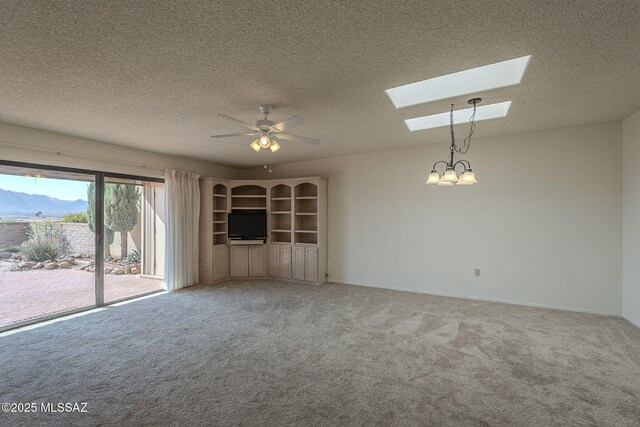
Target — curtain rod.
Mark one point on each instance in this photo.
(80, 156)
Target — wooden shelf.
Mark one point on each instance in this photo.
(244, 196)
(281, 198)
(281, 231)
(246, 242)
(281, 212)
(281, 243)
(219, 232)
(219, 195)
(250, 208)
(306, 231)
(306, 197)
(306, 213)
(220, 211)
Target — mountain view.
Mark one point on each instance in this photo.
(14, 204)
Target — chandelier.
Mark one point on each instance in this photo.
(450, 176)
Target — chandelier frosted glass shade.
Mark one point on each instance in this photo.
(450, 175)
(467, 178)
(256, 145)
(433, 178)
(274, 146)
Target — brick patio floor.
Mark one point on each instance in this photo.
(26, 295)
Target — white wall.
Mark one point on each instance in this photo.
(544, 224)
(631, 218)
(23, 144)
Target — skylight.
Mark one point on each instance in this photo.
(493, 76)
(483, 112)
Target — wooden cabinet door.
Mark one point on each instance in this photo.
(239, 261)
(285, 261)
(311, 264)
(274, 261)
(298, 262)
(257, 261)
(220, 262)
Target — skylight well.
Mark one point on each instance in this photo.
(475, 80)
(484, 112)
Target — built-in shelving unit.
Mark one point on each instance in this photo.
(296, 248)
(220, 198)
(280, 208)
(306, 214)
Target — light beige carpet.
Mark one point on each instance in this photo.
(274, 353)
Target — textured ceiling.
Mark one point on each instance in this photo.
(153, 75)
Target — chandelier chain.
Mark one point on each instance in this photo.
(453, 136)
(467, 141)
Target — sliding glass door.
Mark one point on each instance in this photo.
(47, 246)
(52, 260)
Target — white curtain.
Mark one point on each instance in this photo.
(182, 210)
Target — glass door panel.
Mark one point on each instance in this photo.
(133, 238)
(47, 243)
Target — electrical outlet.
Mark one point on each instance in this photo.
(477, 272)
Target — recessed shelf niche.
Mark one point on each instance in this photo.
(220, 198)
(248, 197)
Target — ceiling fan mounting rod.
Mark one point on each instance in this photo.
(266, 109)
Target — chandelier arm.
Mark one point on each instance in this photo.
(464, 163)
(439, 161)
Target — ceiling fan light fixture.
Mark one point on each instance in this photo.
(274, 146)
(256, 145)
(264, 141)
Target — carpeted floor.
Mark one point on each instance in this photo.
(274, 353)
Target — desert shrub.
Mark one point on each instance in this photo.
(45, 241)
(76, 218)
(132, 258)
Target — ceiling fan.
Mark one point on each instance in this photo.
(267, 134)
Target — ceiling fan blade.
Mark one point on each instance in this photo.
(285, 125)
(240, 122)
(297, 138)
(229, 135)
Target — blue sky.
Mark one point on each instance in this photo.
(58, 188)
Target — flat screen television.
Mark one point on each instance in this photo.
(248, 225)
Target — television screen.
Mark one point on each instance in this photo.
(248, 225)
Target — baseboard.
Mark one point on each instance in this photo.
(476, 298)
(633, 322)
